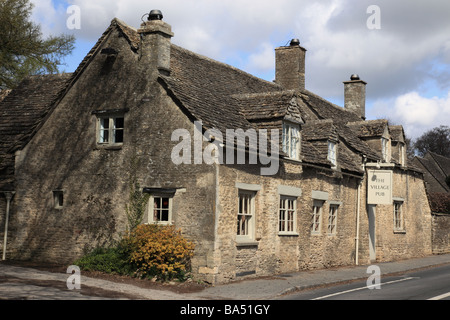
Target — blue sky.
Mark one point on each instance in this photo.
(406, 62)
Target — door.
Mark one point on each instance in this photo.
(371, 211)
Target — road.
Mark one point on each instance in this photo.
(429, 284)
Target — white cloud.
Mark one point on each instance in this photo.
(48, 16)
(415, 112)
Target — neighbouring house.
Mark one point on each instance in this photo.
(264, 177)
(436, 170)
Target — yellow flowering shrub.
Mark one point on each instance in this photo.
(159, 251)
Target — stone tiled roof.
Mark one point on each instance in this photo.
(435, 168)
(320, 130)
(370, 128)
(206, 88)
(222, 97)
(397, 133)
(270, 105)
(21, 113)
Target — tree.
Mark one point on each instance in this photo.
(436, 140)
(23, 51)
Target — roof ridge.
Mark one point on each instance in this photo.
(263, 94)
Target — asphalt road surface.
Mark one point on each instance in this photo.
(429, 284)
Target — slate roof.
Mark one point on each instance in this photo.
(21, 113)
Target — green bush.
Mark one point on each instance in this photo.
(148, 251)
(111, 260)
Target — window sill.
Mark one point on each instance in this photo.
(293, 159)
(109, 147)
(399, 231)
(159, 223)
(287, 234)
(248, 243)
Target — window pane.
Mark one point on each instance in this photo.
(165, 203)
(119, 123)
(118, 136)
(244, 215)
(104, 136)
(164, 215)
(104, 122)
(157, 202)
(282, 221)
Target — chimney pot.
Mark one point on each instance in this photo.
(155, 15)
(295, 42)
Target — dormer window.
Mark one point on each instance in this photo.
(332, 154)
(291, 140)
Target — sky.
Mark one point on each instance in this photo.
(401, 48)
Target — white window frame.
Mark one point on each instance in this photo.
(332, 218)
(112, 129)
(245, 216)
(332, 152)
(399, 222)
(316, 223)
(287, 216)
(152, 211)
(291, 140)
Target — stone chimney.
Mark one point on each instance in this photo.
(155, 43)
(355, 96)
(290, 66)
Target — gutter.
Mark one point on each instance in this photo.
(8, 195)
(358, 211)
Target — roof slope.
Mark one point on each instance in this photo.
(206, 87)
(21, 112)
(436, 169)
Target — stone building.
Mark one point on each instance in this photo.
(265, 177)
(436, 170)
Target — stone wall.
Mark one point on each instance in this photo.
(441, 233)
(64, 155)
(414, 239)
(273, 252)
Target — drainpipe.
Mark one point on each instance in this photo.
(358, 212)
(8, 195)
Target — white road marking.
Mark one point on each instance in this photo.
(362, 288)
(442, 296)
